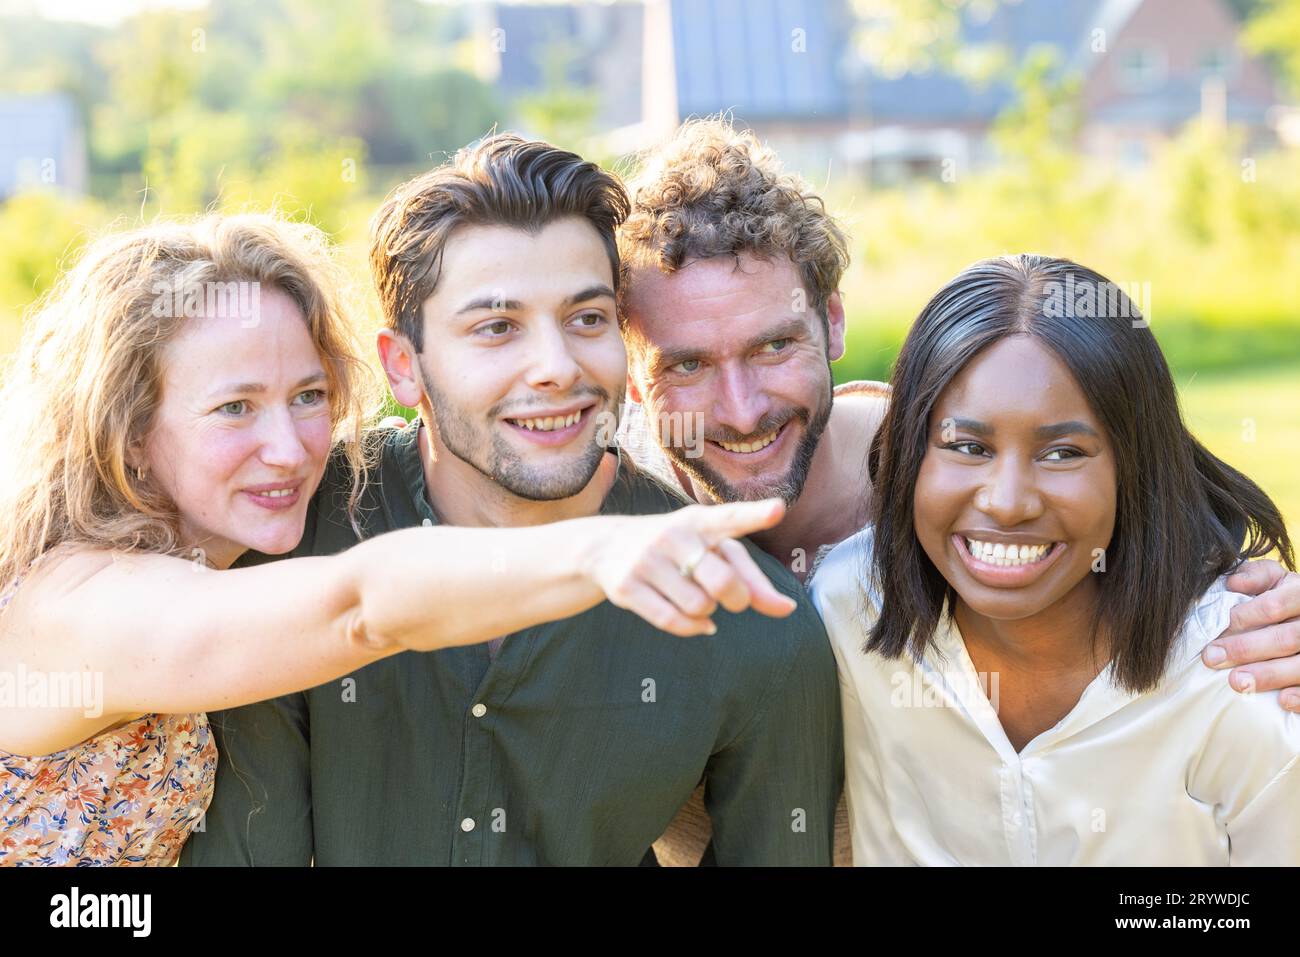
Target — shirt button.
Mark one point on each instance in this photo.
(467, 824)
(1017, 820)
(478, 710)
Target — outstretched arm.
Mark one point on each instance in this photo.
(167, 636)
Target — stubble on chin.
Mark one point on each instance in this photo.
(492, 455)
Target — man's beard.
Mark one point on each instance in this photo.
(789, 486)
(501, 464)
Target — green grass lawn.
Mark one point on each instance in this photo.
(1251, 420)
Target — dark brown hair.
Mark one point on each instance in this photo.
(1182, 516)
(713, 190)
(502, 180)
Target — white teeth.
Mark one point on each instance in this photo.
(754, 446)
(548, 423)
(275, 493)
(1004, 555)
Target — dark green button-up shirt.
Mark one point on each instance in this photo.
(576, 744)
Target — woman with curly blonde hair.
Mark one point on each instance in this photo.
(174, 404)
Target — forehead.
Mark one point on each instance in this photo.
(513, 263)
(714, 304)
(1016, 376)
(225, 346)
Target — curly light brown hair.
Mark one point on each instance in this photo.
(713, 190)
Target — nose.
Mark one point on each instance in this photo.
(552, 367)
(282, 444)
(738, 404)
(1010, 495)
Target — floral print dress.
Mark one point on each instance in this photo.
(130, 795)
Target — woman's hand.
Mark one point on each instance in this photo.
(674, 570)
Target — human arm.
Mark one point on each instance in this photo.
(1262, 641)
(174, 637)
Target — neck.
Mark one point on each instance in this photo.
(1054, 641)
(462, 495)
(208, 552)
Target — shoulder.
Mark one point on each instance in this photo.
(1233, 719)
(861, 404)
(60, 572)
(773, 649)
(863, 388)
(837, 588)
(390, 462)
(1206, 619)
(638, 491)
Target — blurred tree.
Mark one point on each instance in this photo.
(1274, 30)
(39, 232)
(562, 112)
(901, 36)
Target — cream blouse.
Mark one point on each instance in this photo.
(1191, 773)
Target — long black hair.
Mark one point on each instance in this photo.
(1182, 517)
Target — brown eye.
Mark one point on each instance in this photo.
(1065, 455)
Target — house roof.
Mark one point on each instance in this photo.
(738, 56)
(746, 55)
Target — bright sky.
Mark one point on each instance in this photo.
(111, 11)
(92, 11)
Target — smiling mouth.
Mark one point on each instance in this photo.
(1002, 555)
(753, 445)
(550, 423)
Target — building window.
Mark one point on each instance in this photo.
(1215, 62)
(1142, 68)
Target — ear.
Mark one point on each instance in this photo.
(633, 390)
(632, 345)
(134, 455)
(835, 326)
(401, 364)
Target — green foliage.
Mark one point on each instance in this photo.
(560, 113)
(1212, 234)
(1274, 30)
(181, 104)
(40, 231)
(898, 36)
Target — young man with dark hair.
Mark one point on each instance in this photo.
(573, 742)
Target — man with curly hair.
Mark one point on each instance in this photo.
(732, 313)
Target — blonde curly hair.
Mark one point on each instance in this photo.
(713, 190)
(82, 390)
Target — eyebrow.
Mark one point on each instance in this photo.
(787, 329)
(257, 387)
(514, 305)
(1043, 432)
